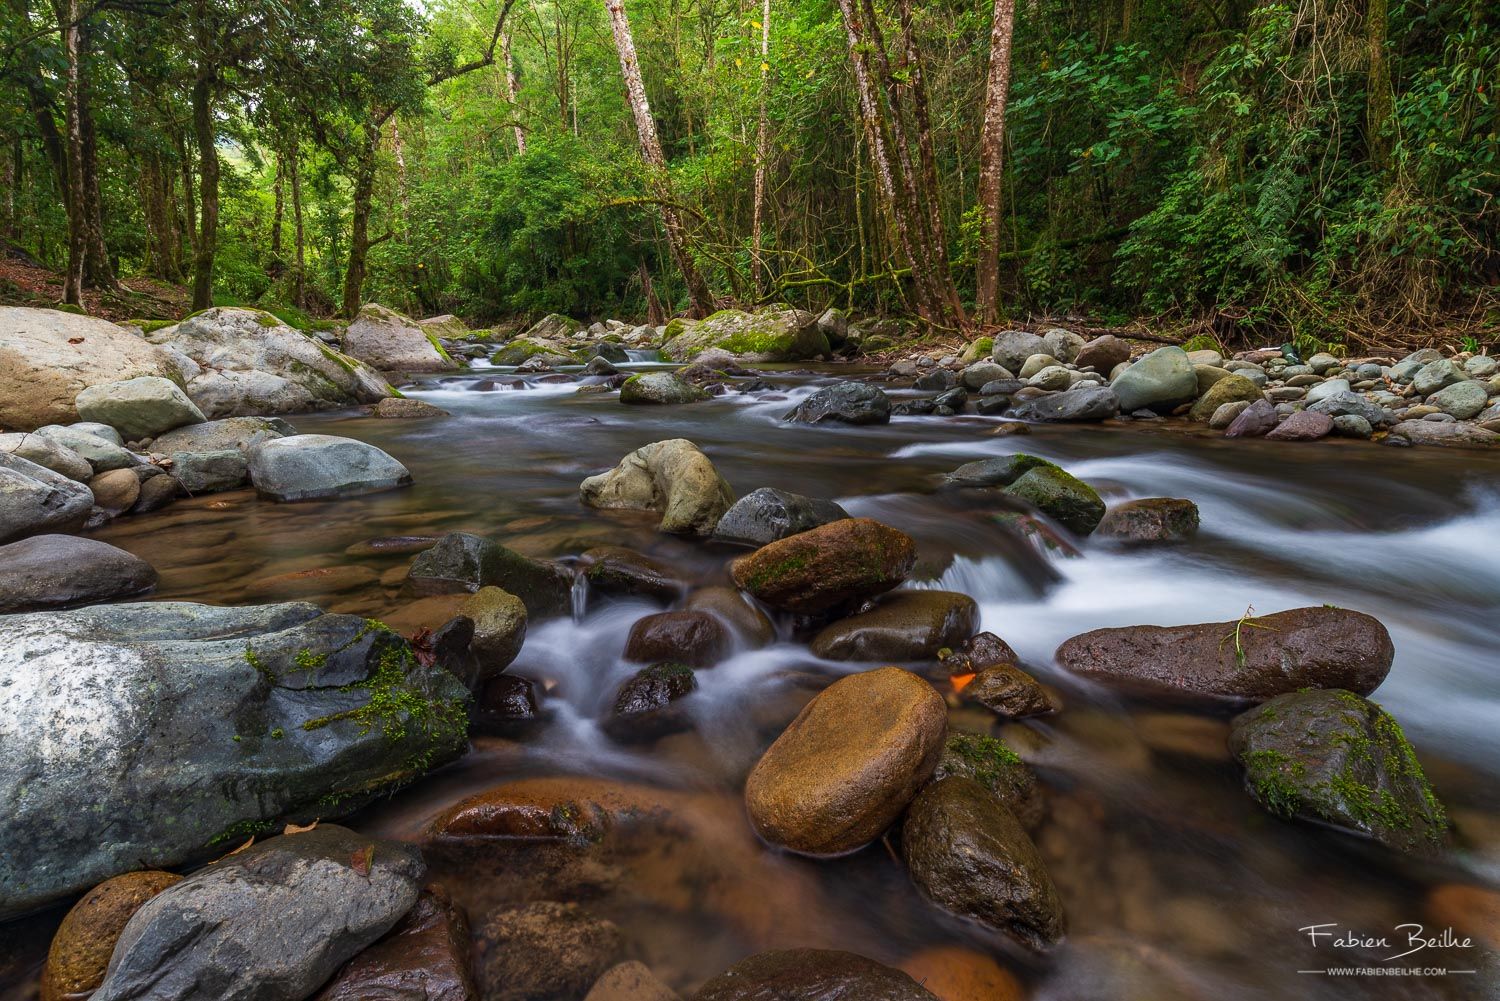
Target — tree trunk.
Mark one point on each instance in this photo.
(299, 290)
(762, 155)
(187, 228)
(1379, 101)
(992, 162)
(208, 169)
(359, 235)
(702, 302)
(73, 192)
(513, 89)
(280, 207)
(97, 270)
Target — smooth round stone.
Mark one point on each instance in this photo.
(1481, 366)
(1462, 400)
(1225, 414)
(1352, 426)
(694, 638)
(56, 571)
(906, 626)
(812, 975)
(86, 938)
(544, 950)
(1152, 520)
(1053, 377)
(116, 491)
(1369, 370)
(1037, 363)
(1330, 387)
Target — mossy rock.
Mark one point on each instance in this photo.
(1061, 496)
(979, 349)
(988, 761)
(769, 335)
(1333, 757)
(523, 349)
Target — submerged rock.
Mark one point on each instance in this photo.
(768, 514)
(308, 467)
(617, 572)
(830, 567)
(846, 767)
(1453, 435)
(905, 626)
(1335, 758)
(543, 951)
(85, 940)
(1154, 519)
(270, 923)
(630, 981)
(644, 708)
(969, 855)
(1247, 660)
(671, 477)
(186, 727)
(405, 408)
(55, 571)
(424, 958)
(844, 403)
(811, 975)
(1009, 692)
(35, 499)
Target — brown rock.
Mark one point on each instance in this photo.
(499, 619)
(978, 652)
(694, 638)
(905, 626)
(1227, 388)
(399, 407)
(1234, 663)
(848, 764)
(748, 623)
(1470, 911)
(117, 490)
(86, 938)
(1000, 770)
(954, 973)
(624, 573)
(811, 975)
(424, 958)
(830, 567)
(544, 951)
(1305, 425)
(1102, 354)
(1008, 691)
(1153, 519)
(631, 981)
(425, 613)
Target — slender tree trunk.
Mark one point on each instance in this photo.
(300, 263)
(97, 270)
(762, 156)
(359, 234)
(513, 90)
(992, 162)
(208, 167)
(73, 192)
(188, 222)
(702, 302)
(1379, 101)
(280, 206)
(10, 179)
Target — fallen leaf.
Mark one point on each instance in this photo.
(75, 340)
(362, 860)
(294, 829)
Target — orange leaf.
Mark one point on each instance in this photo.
(294, 829)
(362, 860)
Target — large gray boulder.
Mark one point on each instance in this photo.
(844, 403)
(271, 923)
(1449, 435)
(770, 335)
(55, 571)
(319, 466)
(245, 361)
(660, 389)
(47, 357)
(102, 453)
(243, 433)
(45, 452)
(1082, 403)
(142, 407)
(1162, 380)
(1012, 348)
(392, 342)
(768, 514)
(154, 735)
(35, 499)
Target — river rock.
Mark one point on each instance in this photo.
(1352, 426)
(85, 940)
(55, 571)
(660, 388)
(811, 975)
(1102, 354)
(1061, 496)
(1411, 432)
(970, 855)
(1305, 425)
(1351, 405)
(827, 568)
(391, 342)
(143, 407)
(844, 403)
(1332, 757)
(1064, 345)
(1009, 692)
(1154, 519)
(247, 362)
(1463, 400)
(1436, 375)
(644, 707)
(45, 452)
(1011, 348)
(463, 562)
(955, 973)
(102, 453)
(270, 923)
(539, 353)
(405, 408)
(242, 433)
(505, 705)
(318, 467)
(905, 626)
(115, 491)
(1247, 660)
(424, 958)
(982, 373)
(617, 572)
(998, 769)
(694, 638)
(211, 472)
(1230, 389)
(1256, 421)
(771, 335)
(846, 767)
(632, 981)
(1160, 381)
(672, 477)
(47, 357)
(1001, 471)
(35, 499)
(768, 514)
(184, 727)
(747, 623)
(499, 619)
(543, 951)
(1082, 403)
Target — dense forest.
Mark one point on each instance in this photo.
(1322, 169)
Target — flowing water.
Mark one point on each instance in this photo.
(1175, 884)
